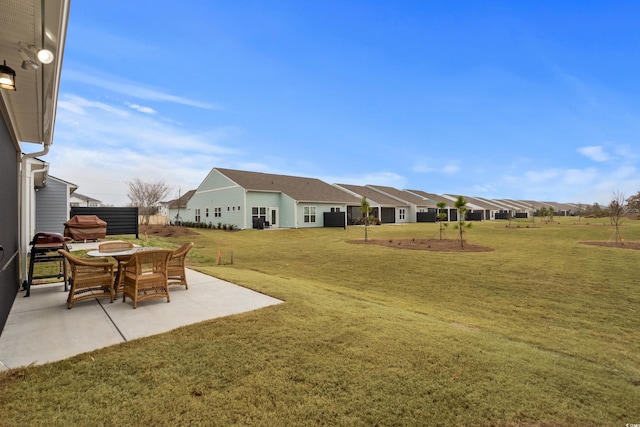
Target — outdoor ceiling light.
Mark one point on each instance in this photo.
(27, 63)
(44, 55)
(7, 77)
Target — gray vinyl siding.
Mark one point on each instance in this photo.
(52, 206)
(10, 260)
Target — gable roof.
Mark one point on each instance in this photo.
(372, 195)
(483, 203)
(181, 202)
(298, 188)
(83, 197)
(404, 196)
(436, 198)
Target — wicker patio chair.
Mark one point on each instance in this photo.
(144, 276)
(114, 247)
(88, 278)
(176, 268)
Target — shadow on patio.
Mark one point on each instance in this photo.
(41, 329)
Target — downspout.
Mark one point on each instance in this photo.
(247, 211)
(22, 244)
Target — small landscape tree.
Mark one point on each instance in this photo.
(441, 216)
(365, 209)
(461, 207)
(617, 211)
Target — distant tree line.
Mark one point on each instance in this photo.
(617, 207)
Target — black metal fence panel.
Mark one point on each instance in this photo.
(426, 216)
(334, 219)
(119, 220)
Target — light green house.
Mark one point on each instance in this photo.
(256, 200)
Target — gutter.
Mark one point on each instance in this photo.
(22, 194)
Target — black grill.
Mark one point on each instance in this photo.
(44, 248)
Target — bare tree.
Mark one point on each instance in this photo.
(617, 211)
(146, 196)
(580, 211)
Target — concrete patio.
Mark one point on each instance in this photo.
(41, 329)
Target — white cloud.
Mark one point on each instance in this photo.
(450, 168)
(580, 176)
(484, 189)
(424, 167)
(146, 110)
(542, 176)
(100, 147)
(595, 153)
(116, 84)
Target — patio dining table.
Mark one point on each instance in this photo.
(119, 255)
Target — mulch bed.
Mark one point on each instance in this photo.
(621, 245)
(164, 230)
(444, 245)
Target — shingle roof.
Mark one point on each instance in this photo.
(181, 202)
(436, 198)
(372, 195)
(298, 188)
(403, 195)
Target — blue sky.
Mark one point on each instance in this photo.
(504, 99)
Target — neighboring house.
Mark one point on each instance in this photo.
(450, 210)
(80, 200)
(383, 207)
(414, 203)
(517, 209)
(488, 207)
(561, 209)
(248, 199)
(27, 118)
(52, 205)
(176, 208)
(474, 211)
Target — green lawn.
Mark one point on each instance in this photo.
(542, 331)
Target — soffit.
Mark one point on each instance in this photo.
(30, 109)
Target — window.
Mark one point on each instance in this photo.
(197, 215)
(402, 214)
(217, 212)
(258, 215)
(206, 213)
(309, 214)
(337, 209)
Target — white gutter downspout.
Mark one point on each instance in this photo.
(247, 212)
(25, 214)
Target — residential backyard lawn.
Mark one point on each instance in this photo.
(541, 329)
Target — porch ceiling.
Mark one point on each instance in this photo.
(30, 109)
